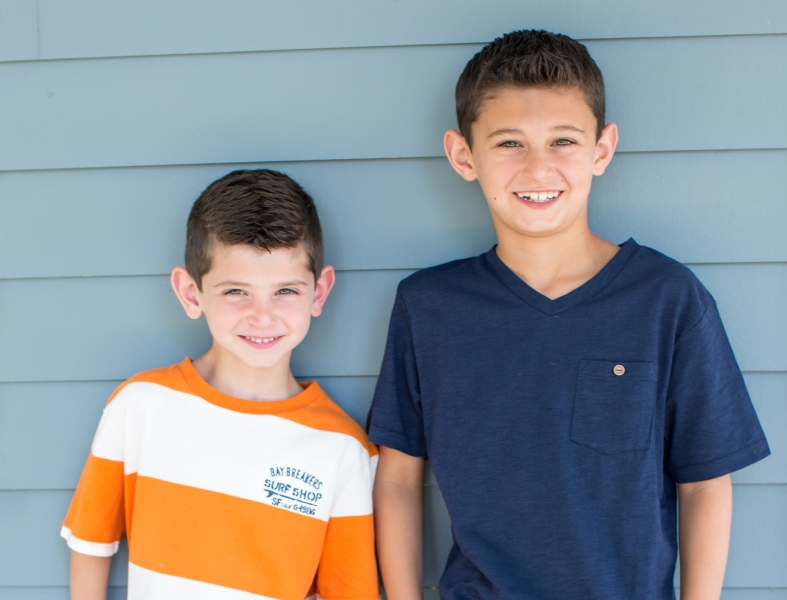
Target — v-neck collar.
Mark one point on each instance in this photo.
(573, 298)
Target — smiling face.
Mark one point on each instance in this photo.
(534, 154)
(258, 305)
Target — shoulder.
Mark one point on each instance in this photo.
(650, 262)
(445, 279)
(664, 281)
(170, 377)
(323, 414)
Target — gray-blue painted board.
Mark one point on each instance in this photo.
(753, 594)
(46, 428)
(680, 94)
(32, 553)
(227, 108)
(107, 328)
(382, 214)
(375, 214)
(683, 204)
(677, 94)
(110, 328)
(18, 30)
(95, 28)
(758, 553)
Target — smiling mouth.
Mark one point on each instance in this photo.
(538, 197)
(261, 340)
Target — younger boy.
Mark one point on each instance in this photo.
(230, 478)
(567, 391)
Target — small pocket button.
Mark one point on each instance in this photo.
(614, 405)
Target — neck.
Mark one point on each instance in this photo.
(557, 264)
(228, 375)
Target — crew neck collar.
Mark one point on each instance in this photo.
(573, 298)
(311, 391)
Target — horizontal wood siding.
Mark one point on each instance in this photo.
(666, 95)
(115, 115)
(96, 28)
(387, 214)
(80, 337)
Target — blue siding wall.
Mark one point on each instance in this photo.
(115, 115)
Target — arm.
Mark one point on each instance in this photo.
(398, 518)
(705, 517)
(89, 576)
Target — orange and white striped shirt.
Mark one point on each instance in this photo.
(227, 499)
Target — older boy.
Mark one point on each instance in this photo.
(567, 391)
(230, 478)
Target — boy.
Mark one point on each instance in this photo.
(567, 391)
(229, 478)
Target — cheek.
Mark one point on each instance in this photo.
(297, 312)
(578, 170)
(496, 180)
(225, 312)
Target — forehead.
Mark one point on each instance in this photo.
(502, 105)
(240, 259)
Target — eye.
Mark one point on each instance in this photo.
(509, 144)
(233, 292)
(287, 292)
(564, 142)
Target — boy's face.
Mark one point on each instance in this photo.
(258, 304)
(534, 154)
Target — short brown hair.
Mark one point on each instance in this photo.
(260, 208)
(528, 58)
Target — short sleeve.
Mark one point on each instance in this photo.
(396, 419)
(348, 569)
(96, 517)
(711, 426)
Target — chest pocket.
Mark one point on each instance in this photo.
(613, 406)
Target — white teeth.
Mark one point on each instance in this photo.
(260, 340)
(538, 196)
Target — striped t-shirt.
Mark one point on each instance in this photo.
(224, 498)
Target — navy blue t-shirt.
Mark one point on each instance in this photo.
(558, 429)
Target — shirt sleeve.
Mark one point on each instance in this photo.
(96, 518)
(396, 419)
(712, 428)
(348, 569)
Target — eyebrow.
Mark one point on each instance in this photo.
(293, 282)
(509, 130)
(569, 128)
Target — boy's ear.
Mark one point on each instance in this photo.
(187, 291)
(459, 154)
(322, 288)
(605, 148)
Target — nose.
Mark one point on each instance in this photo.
(536, 165)
(262, 312)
